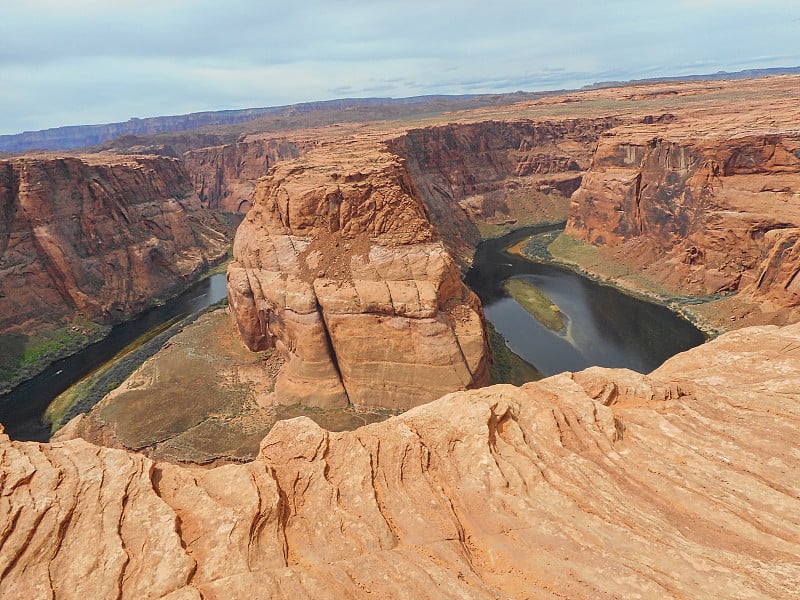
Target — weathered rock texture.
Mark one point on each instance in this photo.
(347, 261)
(710, 201)
(337, 266)
(500, 172)
(599, 484)
(224, 176)
(102, 236)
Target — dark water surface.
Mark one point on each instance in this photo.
(22, 408)
(605, 327)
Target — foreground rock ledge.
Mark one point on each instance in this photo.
(603, 483)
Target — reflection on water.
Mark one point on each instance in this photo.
(22, 408)
(606, 327)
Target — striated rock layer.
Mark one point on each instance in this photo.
(337, 266)
(349, 260)
(709, 201)
(100, 236)
(224, 176)
(599, 484)
(472, 174)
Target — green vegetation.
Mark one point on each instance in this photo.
(508, 367)
(99, 382)
(22, 356)
(569, 250)
(536, 303)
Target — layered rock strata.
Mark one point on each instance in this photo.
(599, 484)
(470, 174)
(338, 267)
(224, 176)
(708, 212)
(100, 236)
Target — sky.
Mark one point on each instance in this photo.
(71, 62)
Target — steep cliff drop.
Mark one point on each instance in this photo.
(224, 176)
(598, 484)
(338, 267)
(94, 239)
(703, 203)
(485, 178)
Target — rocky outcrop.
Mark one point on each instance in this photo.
(469, 174)
(337, 266)
(717, 213)
(603, 483)
(224, 176)
(99, 236)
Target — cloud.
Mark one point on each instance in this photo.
(86, 61)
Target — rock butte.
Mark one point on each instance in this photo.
(348, 262)
(603, 483)
(702, 201)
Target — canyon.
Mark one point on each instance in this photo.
(345, 293)
(709, 206)
(92, 240)
(597, 484)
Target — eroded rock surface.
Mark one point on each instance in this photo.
(708, 200)
(224, 176)
(101, 236)
(603, 483)
(338, 267)
(477, 177)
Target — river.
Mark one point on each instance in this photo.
(21, 409)
(606, 327)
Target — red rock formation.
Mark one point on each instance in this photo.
(339, 268)
(599, 484)
(720, 210)
(103, 236)
(466, 173)
(224, 176)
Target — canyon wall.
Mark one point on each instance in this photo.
(98, 236)
(496, 172)
(704, 214)
(338, 267)
(349, 261)
(224, 176)
(599, 484)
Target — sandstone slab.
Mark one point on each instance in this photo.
(603, 483)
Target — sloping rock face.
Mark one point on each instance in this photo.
(717, 213)
(599, 484)
(471, 173)
(337, 266)
(102, 236)
(224, 176)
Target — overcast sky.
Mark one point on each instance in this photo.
(69, 62)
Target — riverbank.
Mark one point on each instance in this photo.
(86, 393)
(23, 358)
(203, 398)
(606, 327)
(556, 248)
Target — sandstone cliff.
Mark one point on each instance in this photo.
(705, 202)
(471, 175)
(599, 484)
(338, 267)
(224, 176)
(99, 236)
